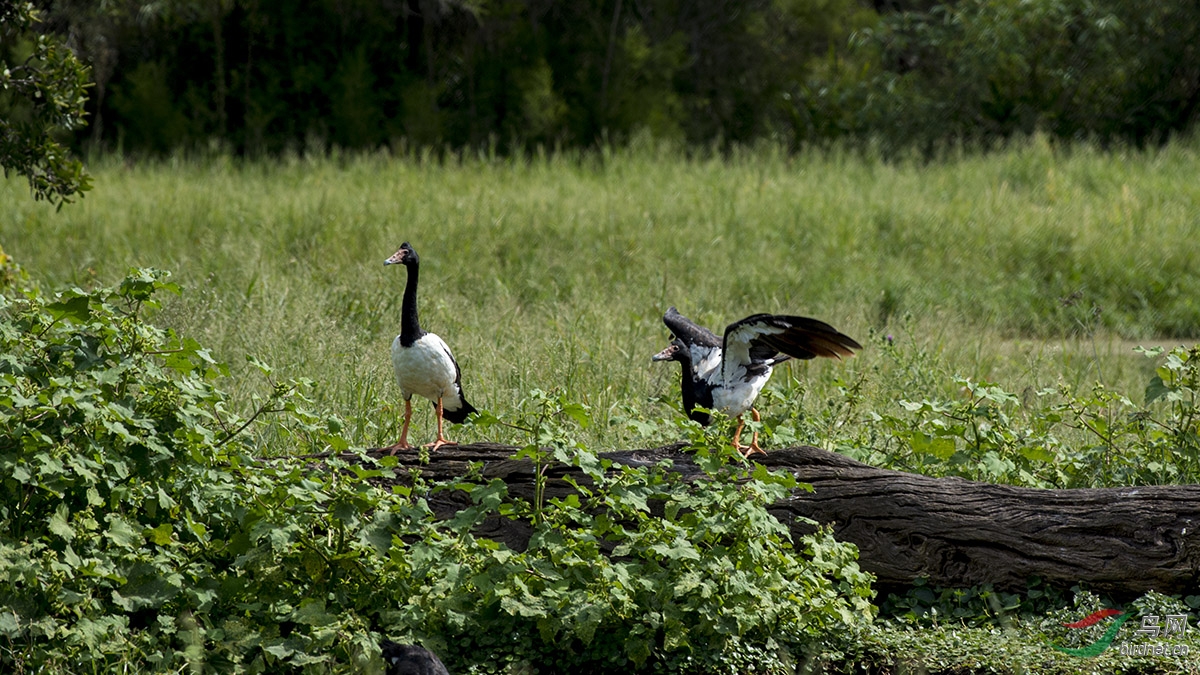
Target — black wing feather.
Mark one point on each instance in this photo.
(785, 336)
(457, 416)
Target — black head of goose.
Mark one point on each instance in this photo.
(727, 374)
(422, 361)
(697, 392)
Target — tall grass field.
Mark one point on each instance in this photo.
(1030, 267)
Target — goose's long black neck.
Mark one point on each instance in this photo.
(695, 393)
(410, 326)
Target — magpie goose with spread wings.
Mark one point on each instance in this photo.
(727, 374)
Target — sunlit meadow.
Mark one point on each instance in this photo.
(1027, 266)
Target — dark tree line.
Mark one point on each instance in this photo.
(263, 76)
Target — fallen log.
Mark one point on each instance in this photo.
(950, 531)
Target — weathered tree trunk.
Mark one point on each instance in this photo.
(955, 532)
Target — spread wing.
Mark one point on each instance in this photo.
(692, 334)
(766, 339)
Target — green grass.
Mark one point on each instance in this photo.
(1025, 266)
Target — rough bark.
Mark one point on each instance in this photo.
(954, 532)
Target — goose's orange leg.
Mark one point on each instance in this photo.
(403, 444)
(754, 448)
(441, 438)
(737, 436)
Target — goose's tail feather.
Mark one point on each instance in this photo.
(459, 414)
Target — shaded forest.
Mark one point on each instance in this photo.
(268, 76)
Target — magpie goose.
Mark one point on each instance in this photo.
(410, 660)
(727, 374)
(423, 363)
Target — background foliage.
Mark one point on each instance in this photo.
(43, 89)
(261, 76)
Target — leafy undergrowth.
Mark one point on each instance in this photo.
(985, 631)
(883, 648)
(141, 533)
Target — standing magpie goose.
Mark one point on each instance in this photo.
(727, 374)
(423, 363)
